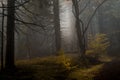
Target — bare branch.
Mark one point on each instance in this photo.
(93, 16)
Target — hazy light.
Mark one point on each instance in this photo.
(67, 25)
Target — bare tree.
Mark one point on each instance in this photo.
(79, 28)
(80, 24)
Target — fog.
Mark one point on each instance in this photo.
(105, 20)
(59, 39)
(68, 31)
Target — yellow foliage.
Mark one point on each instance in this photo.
(86, 73)
(97, 45)
(64, 60)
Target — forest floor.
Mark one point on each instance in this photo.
(50, 68)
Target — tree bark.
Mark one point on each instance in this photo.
(2, 38)
(57, 25)
(9, 63)
(79, 28)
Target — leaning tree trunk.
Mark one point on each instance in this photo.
(57, 25)
(9, 63)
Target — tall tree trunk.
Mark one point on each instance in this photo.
(9, 63)
(2, 39)
(57, 25)
(79, 28)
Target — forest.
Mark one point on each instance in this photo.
(59, 40)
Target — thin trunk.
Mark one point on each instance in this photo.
(2, 39)
(79, 28)
(9, 63)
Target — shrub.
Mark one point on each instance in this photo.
(97, 45)
(64, 60)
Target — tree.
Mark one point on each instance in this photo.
(9, 63)
(79, 28)
(2, 38)
(12, 6)
(82, 26)
(57, 25)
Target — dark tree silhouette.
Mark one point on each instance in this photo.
(9, 63)
(2, 37)
(79, 28)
